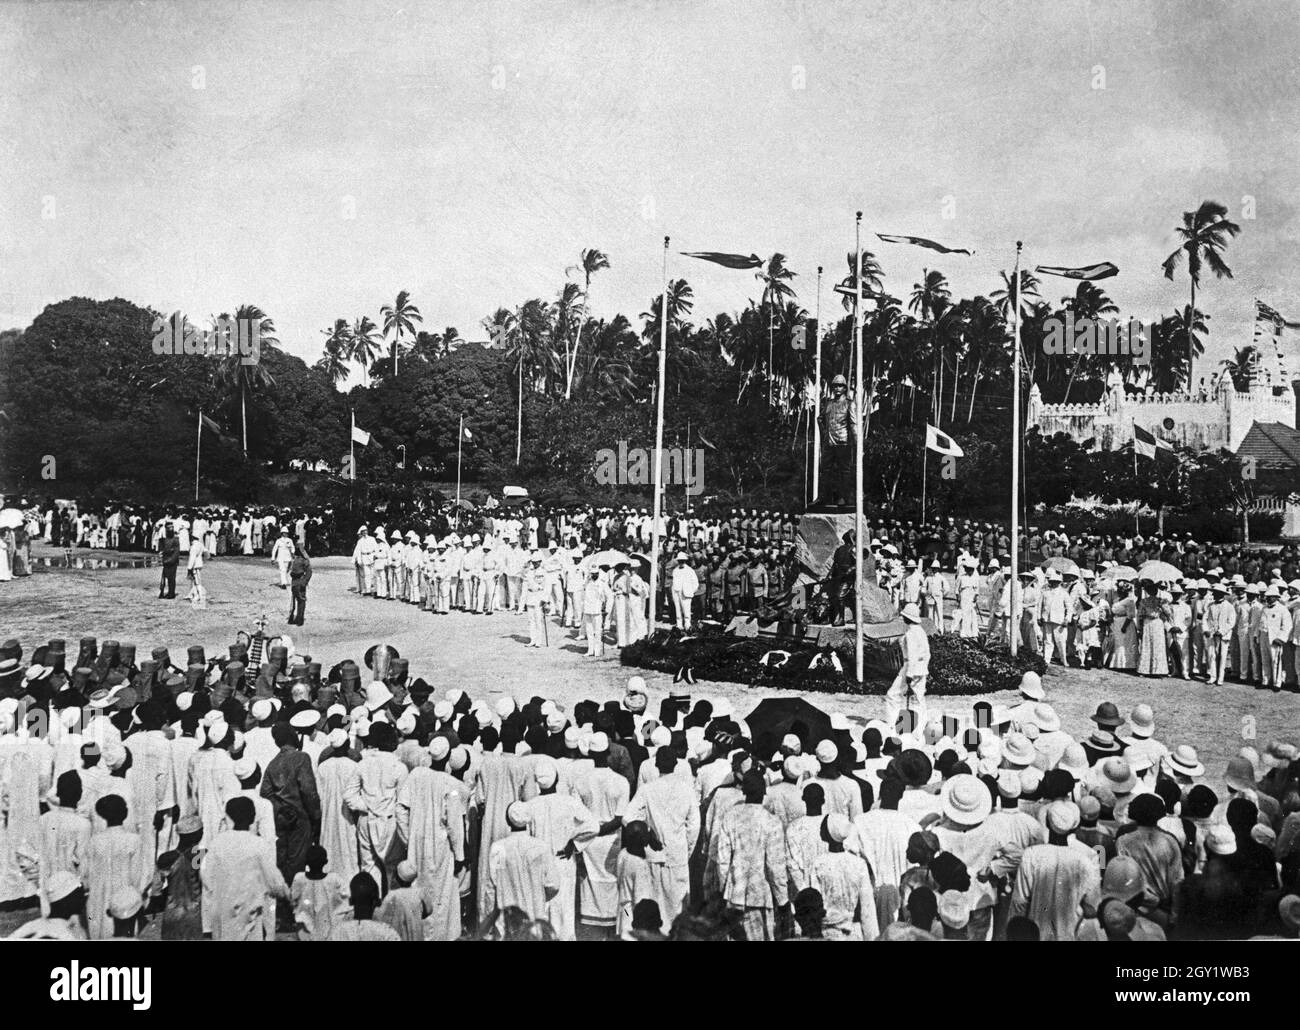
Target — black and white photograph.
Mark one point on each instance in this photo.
(659, 470)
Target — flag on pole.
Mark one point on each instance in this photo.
(467, 434)
(942, 443)
(1101, 270)
(1264, 313)
(209, 423)
(726, 260)
(921, 241)
(1147, 443)
(360, 436)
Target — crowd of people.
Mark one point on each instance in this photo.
(242, 803)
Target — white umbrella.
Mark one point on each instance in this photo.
(11, 518)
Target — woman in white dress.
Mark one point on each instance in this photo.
(1123, 629)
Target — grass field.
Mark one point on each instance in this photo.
(486, 656)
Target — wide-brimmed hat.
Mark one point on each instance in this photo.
(1142, 721)
(1103, 742)
(1045, 718)
(1031, 686)
(1118, 775)
(1183, 760)
(1107, 715)
(1240, 774)
(1018, 750)
(911, 613)
(966, 800)
(1074, 760)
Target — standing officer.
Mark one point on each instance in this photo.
(299, 577)
(171, 556)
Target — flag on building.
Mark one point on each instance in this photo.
(941, 443)
(1264, 313)
(1147, 443)
(360, 436)
(726, 260)
(1101, 270)
(921, 241)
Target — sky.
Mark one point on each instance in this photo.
(316, 158)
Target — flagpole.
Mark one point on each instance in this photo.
(857, 431)
(460, 442)
(659, 447)
(817, 397)
(686, 487)
(1013, 624)
(198, 447)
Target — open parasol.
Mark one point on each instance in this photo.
(1159, 572)
(1120, 572)
(1063, 565)
(610, 558)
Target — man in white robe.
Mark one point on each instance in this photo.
(523, 871)
(431, 823)
(566, 825)
(240, 876)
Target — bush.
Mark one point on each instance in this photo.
(957, 666)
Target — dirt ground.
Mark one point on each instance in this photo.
(486, 656)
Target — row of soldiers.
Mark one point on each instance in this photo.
(484, 575)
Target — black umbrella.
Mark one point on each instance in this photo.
(774, 717)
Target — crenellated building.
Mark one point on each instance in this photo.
(1213, 417)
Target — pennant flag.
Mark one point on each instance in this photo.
(706, 441)
(921, 241)
(849, 290)
(209, 423)
(1147, 443)
(942, 442)
(468, 434)
(726, 260)
(360, 436)
(1102, 270)
(1264, 313)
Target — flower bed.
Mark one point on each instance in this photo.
(956, 666)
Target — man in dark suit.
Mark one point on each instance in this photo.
(171, 556)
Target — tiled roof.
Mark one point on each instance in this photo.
(1272, 442)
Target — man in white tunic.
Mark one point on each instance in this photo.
(431, 823)
(241, 879)
(565, 825)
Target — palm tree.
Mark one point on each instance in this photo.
(1204, 233)
(1090, 302)
(566, 322)
(986, 332)
(930, 297)
(591, 262)
(681, 298)
(399, 320)
(1241, 366)
(338, 345)
(873, 276)
(364, 345)
(1002, 297)
(1167, 371)
(776, 292)
(241, 375)
(502, 329)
